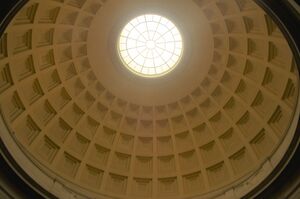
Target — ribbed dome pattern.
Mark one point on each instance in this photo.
(77, 130)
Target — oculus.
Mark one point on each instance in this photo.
(150, 45)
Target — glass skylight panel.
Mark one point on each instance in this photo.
(150, 45)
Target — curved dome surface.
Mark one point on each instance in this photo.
(210, 124)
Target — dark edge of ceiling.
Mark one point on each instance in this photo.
(14, 175)
(24, 185)
(287, 20)
(8, 9)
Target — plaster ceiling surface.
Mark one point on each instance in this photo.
(84, 119)
(197, 57)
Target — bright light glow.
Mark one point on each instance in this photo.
(150, 45)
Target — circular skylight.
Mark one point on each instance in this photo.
(150, 45)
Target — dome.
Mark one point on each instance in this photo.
(81, 124)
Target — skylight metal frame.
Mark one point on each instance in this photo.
(155, 61)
